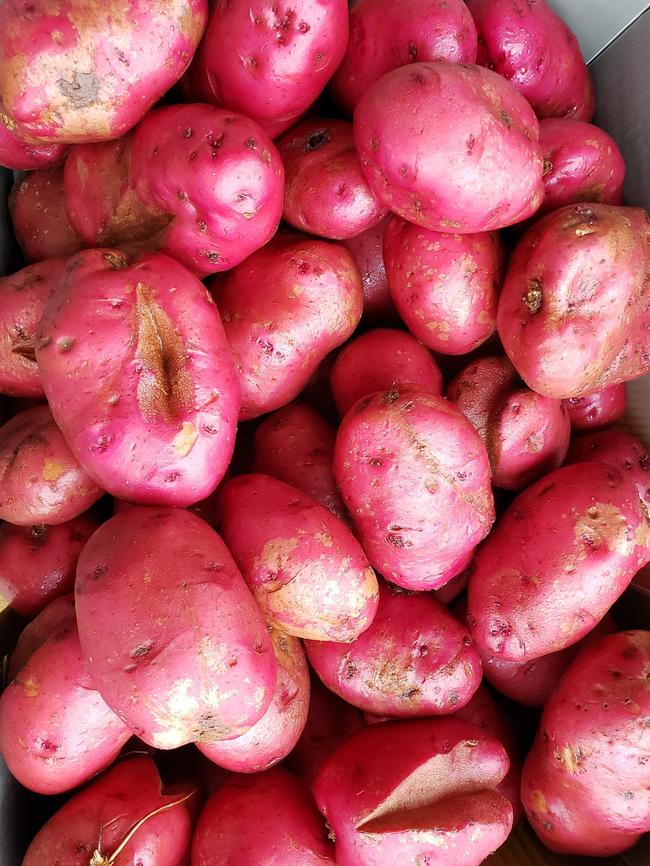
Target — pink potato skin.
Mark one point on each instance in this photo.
(445, 286)
(308, 573)
(107, 66)
(296, 445)
(526, 435)
(415, 477)
(40, 221)
(586, 781)
(379, 360)
(619, 449)
(57, 616)
(405, 792)
(37, 563)
(269, 59)
(573, 312)
(326, 193)
(330, 721)
(367, 249)
(277, 732)
(41, 481)
(258, 820)
(385, 35)
(172, 637)
(284, 309)
(581, 163)
(415, 659)
(582, 534)
(18, 156)
(429, 136)
(140, 378)
(597, 410)
(56, 731)
(532, 47)
(101, 816)
(23, 296)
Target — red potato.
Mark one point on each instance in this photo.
(450, 591)
(367, 249)
(445, 286)
(408, 792)
(59, 615)
(597, 410)
(535, 50)
(586, 781)
(39, 218)
(330, 721)
(326, 193)
(173, 639)
(415, 659)
(277, 732)
(284, 309)
(23, 296)
(619, 449)
(581, 534)
(385, 35)
(269, 59)
(260, 820)
(42, 482)
(296, 445)
(125, 815)
(106, 66)
(18, 156)
(139, 376)
(308, 573)
(429, 136)
(379, 360)
(56, 731)
(573, 314)
(415, 477)
(526, 435)
(37, 563)
(581, 163)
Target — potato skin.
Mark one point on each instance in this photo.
(139, 375)
(367, 249)
(597, 410)
(258, 820)
(619, 449)
(533, 48)
(18, 156)
(56, 731)
(283, 310)
(415, 659)
(37, 563)
(99, 817)
(58, 614)
(107, 67)
(272, 738)
(445, 286)
(572, 314)
(307, 571)
(582, 534)
(586, 781)
(379, 360)
(41, 480)
(172, 637)
(386, 787)
(415, 477)
(429, 136)
(384, 36)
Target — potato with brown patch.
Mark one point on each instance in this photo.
(139, 376)
(557, 560)
(305, 568)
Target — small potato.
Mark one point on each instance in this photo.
(415, 659)
(284, 309)
(306, 570)
(415, 477)
(581, 534)
(172, 637)
(56, 731)
(598, 410)
(379, 360)
(619, 449)
(445, 286)
(367, 249)
(272, 738)
(41, 480)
